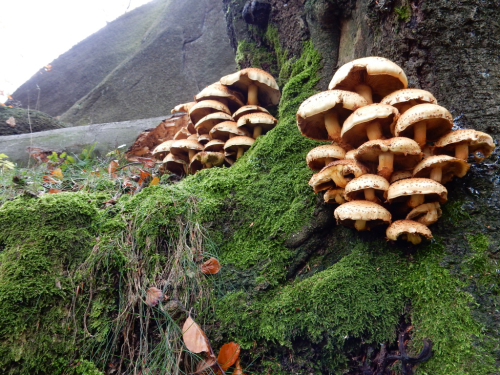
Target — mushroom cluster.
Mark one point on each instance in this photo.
(221, 127)
(392, 149)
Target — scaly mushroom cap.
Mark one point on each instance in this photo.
(209, 121)
(269, 92)
(354, 130)
(246, 109)
(227, 129)
(183, 133)
(354, 190)
(253, 120)
(311, 113)
(406, 152)
(403, 189)
(381, 74)
(219, 92)
(334, 196)
(348, 213)
(215, 145)
(351, 154)
(204, 139)
(439, 121)
(426, 214)
(184, 146)
(163, 147)
(348, 169)
(404, 227)
(450, 167)
(184, 107)
(400, 175)
(204, 158)
(193, 136)
(234, 143)
(406, 98)
(175, 164)
(477, 141)
(317, 157)
(205, 107)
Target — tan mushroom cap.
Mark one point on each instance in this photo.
(320, 156)
(438, 122)
(206, 159)
(163, 147)
(205, 107)
(226, 130)
(186, 147)
(416, 191)
(337, 103)
(246, 109)
(441, 168)
(357, 128)
(405, 154)
(476, 142)
(215, 145)
(370, 187)
(351, 154)
(337, 174)
(183, 133)
(259, 123)
(400, 175)
(175, 164)
(426, 214)
(239, 145)
(184, 107)
(204, 139)
(406, 98)
(366, 213)
(380, 74)
(193, 136)
(209, 121)
(334, 195)
(268, 90)
(219, 92)
(409, 230)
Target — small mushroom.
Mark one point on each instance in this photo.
(334, 195)
(424, 122)
(369, 187)
(239, 145)
(247, 109)
(406, 98)
(370, 122)
(396, 153)
(426, 214)
(400, 175)
(222, 94)
(186, 147)
(441, 168)
(226, 130)
(462, 142)
(215, 145)
(176, 164)
(184, 107)
(209, 121)
(183, 133)
(408, 230)
(337, 174)
(162, 149)
(206, 159)
(372, 77)
(321, 116)
(204, 139)
(260, 86)
(320, 156)
(415, 191)
(362, 215)
(260, 122)
(205, 107)
(351, 154)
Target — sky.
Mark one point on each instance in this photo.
(35, 32)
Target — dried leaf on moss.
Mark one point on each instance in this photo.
(228, 355)
(210, 267)
(153, 296)
(194, 337)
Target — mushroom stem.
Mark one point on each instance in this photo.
(257, 131)
(365, 91)
(427, 150)
(416, 200)
(413, 238)
(436, 174)
(328, 161)
(339, 199)
(385, 165)
(462, 151)
(374, 130)
(432, 216)
(420, 133)
(404, 107)
(240, 152)
(370, 195)
(185, 168)
(253, 92)
(191, 154)
(208, 165)
(332, 125)
(360, 224)
(339, 179)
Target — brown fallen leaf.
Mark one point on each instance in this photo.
(228, 355)
(50, 180)
(154, 181)
(207, 366)
(113, 166)
(237, 368)
(194, 338)
(153, 296)
(147, 162)
(57, 172)
(210, 267)
(55, 191)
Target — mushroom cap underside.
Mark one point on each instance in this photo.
(373, 213)
(401, 227)
(438, 120)
(404, 189)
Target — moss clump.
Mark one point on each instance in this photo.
(41, 241)
(403, 13)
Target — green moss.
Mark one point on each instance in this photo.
(403, 13)
(454, 211)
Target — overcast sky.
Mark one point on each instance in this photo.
(35, 32)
